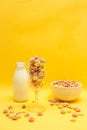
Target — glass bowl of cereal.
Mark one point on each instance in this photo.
(66, 90)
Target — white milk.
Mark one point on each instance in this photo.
(20, 89)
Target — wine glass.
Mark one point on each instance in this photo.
(36, 74)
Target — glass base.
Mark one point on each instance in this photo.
(36, 108)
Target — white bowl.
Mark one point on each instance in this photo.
(66, 93)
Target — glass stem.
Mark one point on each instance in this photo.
(36, 98)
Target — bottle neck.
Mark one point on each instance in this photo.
(20, 66)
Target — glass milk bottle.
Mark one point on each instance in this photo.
(20, 89)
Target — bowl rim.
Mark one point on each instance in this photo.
(80, 84)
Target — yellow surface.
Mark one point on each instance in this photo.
(55, 30)
(51, 119)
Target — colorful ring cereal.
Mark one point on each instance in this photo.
(66, 83)
(37, 71)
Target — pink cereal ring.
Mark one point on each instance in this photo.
(51, 104)
(63, 111)
(65, 104)
(31, 119)
(5, 111)
(26, 115)
(57, 104)
(39, 113)
(74, 115)
(17, 113)
(54, 100)
(77, 109)
(14, 117)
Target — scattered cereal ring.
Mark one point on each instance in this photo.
(10, 107)
(14, 117)
(80, 114)
(7, 114)
(39, 113)
(67, 104)
(63, 112)
(36, 57)
(64, 105)
(55, 100)
(26, 115)
(77, 109)
(73, 119)
(57, 104)
(23, 106)
(17, 113)
(31, 119)
(5, 111)
(74, 115)
(51, 104)
(60, 107)
(69, 111)
(50, 100)
(70, 107)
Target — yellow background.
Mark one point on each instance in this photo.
(53, 29)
